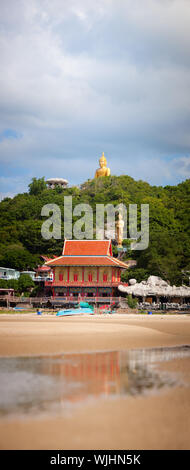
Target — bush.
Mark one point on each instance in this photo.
(132, 301)
(25, 283)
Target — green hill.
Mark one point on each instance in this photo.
(168, 254)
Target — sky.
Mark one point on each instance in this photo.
(80, 77)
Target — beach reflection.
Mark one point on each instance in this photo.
(95, 373)
(57, 382)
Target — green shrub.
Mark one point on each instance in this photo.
(132, 301)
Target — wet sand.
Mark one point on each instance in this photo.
(27, 334)
(158, 420)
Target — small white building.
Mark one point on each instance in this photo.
(8, 273)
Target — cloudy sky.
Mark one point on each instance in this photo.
(78, 77)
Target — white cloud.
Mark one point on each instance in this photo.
(80, 77)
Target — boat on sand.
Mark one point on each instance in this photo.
(82, 307)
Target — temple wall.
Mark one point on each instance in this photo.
(106, 271)
(87, 270)
(60, 270)
(75, 270)
(90, 270)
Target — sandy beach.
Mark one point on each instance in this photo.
(156, 420)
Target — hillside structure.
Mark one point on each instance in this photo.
(86, 268)
(54, 182)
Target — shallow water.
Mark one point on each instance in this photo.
(58, 382)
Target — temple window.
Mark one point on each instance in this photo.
(105, 277)
(90, 277)
(75, 277)
(61, 277)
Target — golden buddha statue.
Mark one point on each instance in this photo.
(103, 170)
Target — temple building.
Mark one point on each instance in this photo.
(86, 267)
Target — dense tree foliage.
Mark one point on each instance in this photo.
(168, 253)
(23, 284)
(37, 185)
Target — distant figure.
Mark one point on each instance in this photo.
(103, 170)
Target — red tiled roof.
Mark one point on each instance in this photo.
(43, 268)
(45, 258)
(87, 248)
(87, 261)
